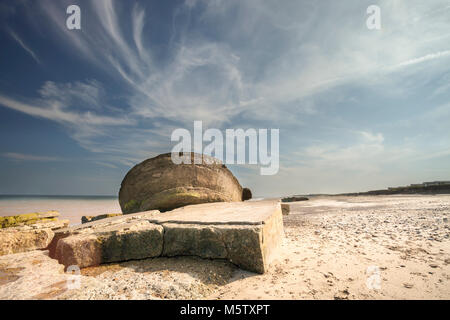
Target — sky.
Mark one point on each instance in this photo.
(357, 109)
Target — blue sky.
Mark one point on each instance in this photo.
(357, 109)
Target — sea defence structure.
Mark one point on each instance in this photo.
(245, 233)
(160, 184)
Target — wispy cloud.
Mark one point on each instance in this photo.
(29, 157)
(54, 111)
(219, 80)
(428, 57)
(242, 63)
(16, 37)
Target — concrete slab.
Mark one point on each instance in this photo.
(115, 243)
(28, 232)
(247, 234)
(237, 213)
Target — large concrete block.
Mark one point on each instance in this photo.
(115, 243)
(27, 232)
(245, 233)
(159, 183)
(132, 241)
(240, 244)
(80, 250)
(96, 226)
(15, 241)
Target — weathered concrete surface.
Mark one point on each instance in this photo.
(15, 241)
(114, 239)
(245, 233)
(285, 209)
(158, 183)
(86, 219)
(27, 237)
(31, 275)
(230, 213)
(240, 244)
(94, 226)
(130, 241)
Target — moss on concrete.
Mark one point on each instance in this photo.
(27, 219)
(132, 206)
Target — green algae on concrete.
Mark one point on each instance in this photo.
(132, 206)
(27, 219)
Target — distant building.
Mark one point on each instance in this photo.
(435, 183)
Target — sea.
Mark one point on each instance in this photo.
(71, 208)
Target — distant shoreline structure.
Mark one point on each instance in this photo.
(434, 187)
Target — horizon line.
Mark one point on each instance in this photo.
(56, 195)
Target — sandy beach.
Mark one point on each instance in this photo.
(379, 247)
(341, 248)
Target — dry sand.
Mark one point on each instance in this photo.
(379, 247)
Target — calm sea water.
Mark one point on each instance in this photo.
(69, 207)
